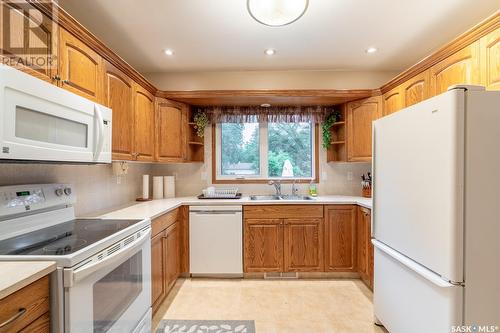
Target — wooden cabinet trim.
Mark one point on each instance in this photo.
(282, 211)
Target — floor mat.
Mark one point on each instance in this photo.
(206, 326)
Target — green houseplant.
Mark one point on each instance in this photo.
(327, 124)
(201, 121)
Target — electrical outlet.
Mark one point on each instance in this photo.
(349, 176)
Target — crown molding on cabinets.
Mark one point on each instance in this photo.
(475, 33)
(274, 97)
(69, 23)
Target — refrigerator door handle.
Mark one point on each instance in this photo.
(417, 268)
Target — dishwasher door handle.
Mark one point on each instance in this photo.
(215, 212)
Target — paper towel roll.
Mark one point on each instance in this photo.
(169, 187)
(158, 187)
(145, 187)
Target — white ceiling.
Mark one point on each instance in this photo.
(219, 35)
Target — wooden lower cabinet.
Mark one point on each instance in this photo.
(303, 250)
(165, 257)
(365, 246)
(263, 245)
(340, 238)
(283, 238)
(34, 303)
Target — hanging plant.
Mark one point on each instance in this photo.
(331, 119)
(201, 121)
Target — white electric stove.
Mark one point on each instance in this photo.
(103, 277)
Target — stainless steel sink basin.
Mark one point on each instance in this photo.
(264, 197)
(296, 197)
(283, 197)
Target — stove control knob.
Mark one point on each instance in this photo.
(67, 191)
(59, 192)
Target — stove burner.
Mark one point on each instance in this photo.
(68, 248)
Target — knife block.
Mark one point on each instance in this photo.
(367, 192)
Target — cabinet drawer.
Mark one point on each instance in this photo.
(282, 211)
(163, 222)
(41, 325)
(32, 301)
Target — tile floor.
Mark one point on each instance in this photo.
(277, 306)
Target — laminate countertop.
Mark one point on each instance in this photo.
(155, 208)
(15, 275)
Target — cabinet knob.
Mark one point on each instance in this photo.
(56, 78)
(65, 81)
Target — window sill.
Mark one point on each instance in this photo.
(263, 181)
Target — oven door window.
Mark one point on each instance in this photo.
(115, 292)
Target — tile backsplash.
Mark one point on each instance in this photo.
(95, 186)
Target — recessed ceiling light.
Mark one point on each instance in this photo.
(277, 13)
(270, 52)
(371, 50)
(265, 105)
(169, 52)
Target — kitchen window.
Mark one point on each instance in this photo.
(257, 152)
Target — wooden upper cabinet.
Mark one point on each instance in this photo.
(80, 68)
(416, 89)
(118, 91)
(460, 68)
(340, 238)
(29, 38)
(144, 124)
(303, 247)
(263, 245)
(490, 60)
(171, 130)
(360, 115)
(392, 101)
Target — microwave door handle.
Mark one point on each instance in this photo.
(71, 276)
(100, 139)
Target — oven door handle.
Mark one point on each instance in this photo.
(74, 275)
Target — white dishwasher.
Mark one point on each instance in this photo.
(216, 241)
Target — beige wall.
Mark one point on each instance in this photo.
(189, 176)
(96, 187)
(269, 80)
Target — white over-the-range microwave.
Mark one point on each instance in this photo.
(42, 122)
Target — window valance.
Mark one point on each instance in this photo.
(286, 114)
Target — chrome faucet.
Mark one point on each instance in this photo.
(295, 190)
(277, 186)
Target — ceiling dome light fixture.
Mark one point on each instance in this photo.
(270, 52)
(277, 13)
(169, 52)
(371, 50)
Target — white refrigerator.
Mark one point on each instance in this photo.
(436, 214)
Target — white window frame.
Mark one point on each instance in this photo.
(263, 151)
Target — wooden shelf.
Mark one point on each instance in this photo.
(337, 142)
(339, 123)
(191, 124)
(196, 143)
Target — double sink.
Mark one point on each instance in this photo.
(281, 197)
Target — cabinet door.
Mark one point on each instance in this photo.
(361, 233)
(340, 238)
(143, 124)
(416, 89)
(360, 116)
(490, 60)
(172, 252)
(393, 101)
(171, 125)
(81, 69)
(303, 247)
(263, 245)
(460, 68)
(28, 40)
(158, 269)
(119, 97)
